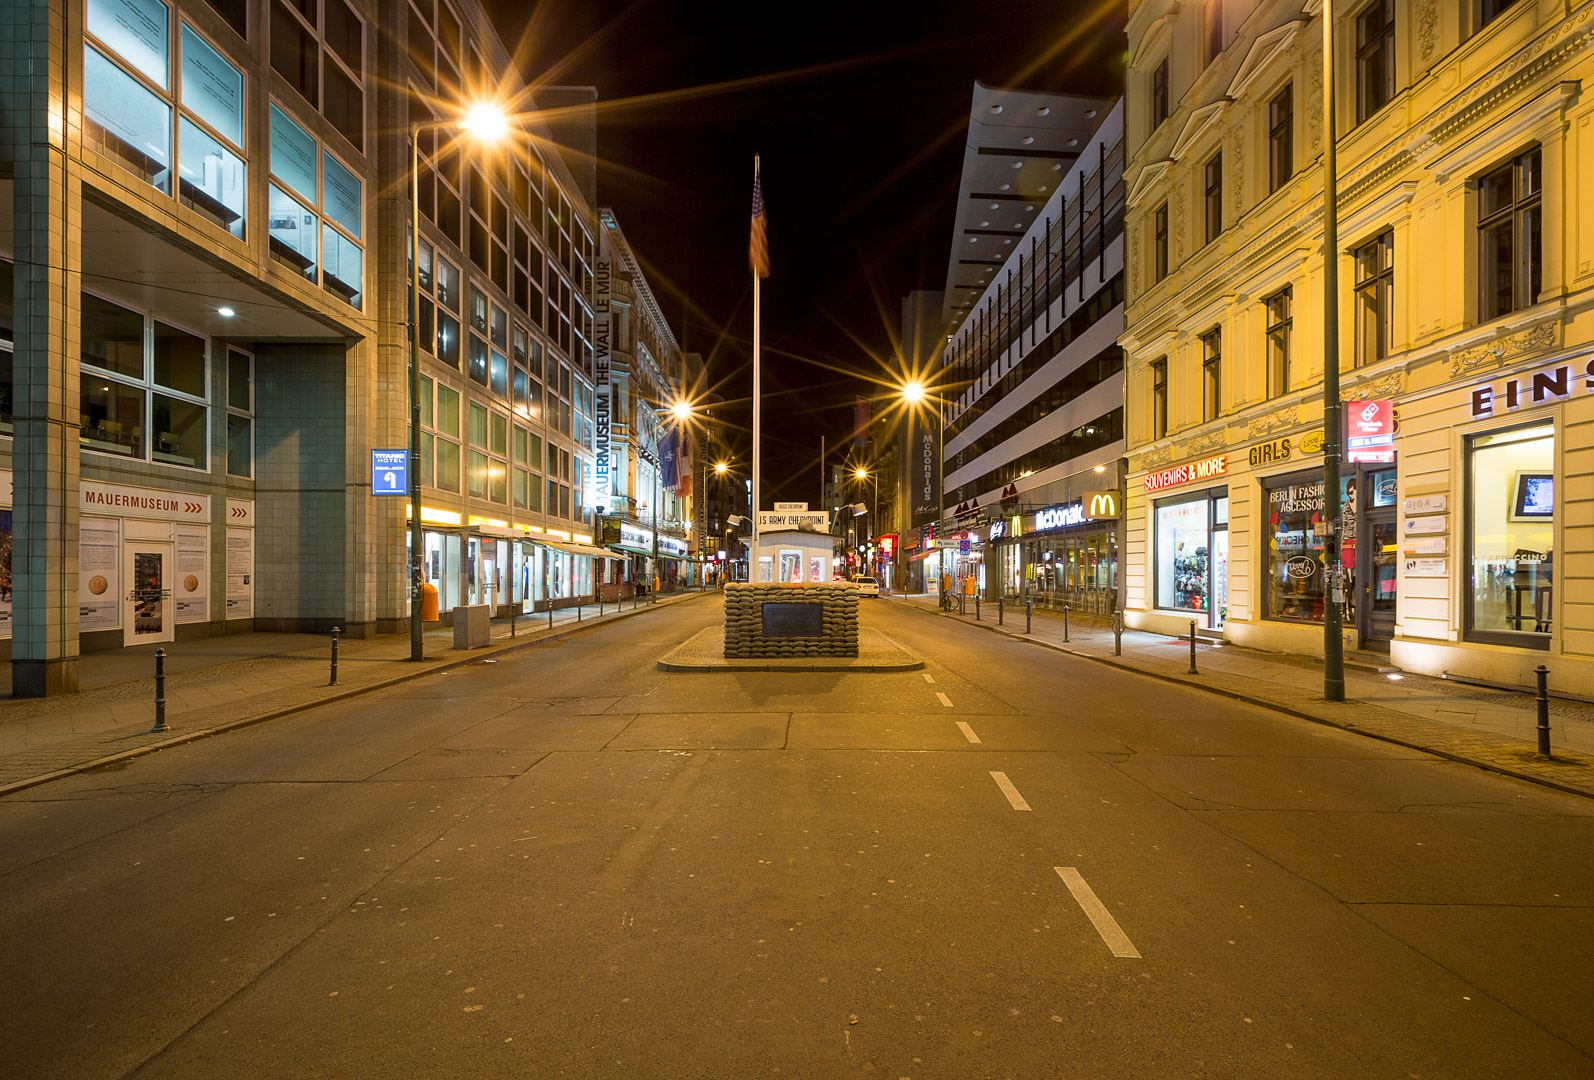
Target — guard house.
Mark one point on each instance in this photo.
(794, 545)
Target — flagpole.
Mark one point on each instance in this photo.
(757, 406)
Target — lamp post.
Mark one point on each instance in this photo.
(1333, 642)
(488, 124)
(874, 525)
(681, 411)
(915, 393)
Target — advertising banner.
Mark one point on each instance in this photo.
(602, 401)
(924, 468)
(99, 591)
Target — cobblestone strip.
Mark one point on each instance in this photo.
(1567, 770)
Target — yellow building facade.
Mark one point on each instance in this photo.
(1465, 285)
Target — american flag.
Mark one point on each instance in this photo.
(758, 247)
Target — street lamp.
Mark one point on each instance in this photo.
(487, 123)
(681, 411)
(863, 474)
(914, 394)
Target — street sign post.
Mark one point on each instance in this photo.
(390, 472)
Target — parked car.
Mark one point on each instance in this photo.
(867, 586)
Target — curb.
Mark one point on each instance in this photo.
(432, 668)
(1410, 744)
(855, 669)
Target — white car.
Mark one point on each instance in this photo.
(867, 586)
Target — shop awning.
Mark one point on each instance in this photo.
(581, 549)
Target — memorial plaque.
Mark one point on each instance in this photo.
(794, 620)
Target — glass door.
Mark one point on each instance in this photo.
(1375, 588)
(147, 607)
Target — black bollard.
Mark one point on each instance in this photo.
(160, 692)
(976, 609)
(514, 610)
(333, 681)
(1065, 624)
(1192, 670)
(1117, 633)
(1029, 611)
(1544, 710)
(550, 613)
(999, 604)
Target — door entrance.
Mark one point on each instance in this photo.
(147, 606)
(1376, 587)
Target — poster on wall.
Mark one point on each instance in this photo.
(5, 573)
(192, 582)
(240, 573)
(99, 591)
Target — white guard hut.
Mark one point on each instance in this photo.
(794, 545)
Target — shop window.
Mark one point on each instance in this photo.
(1375, 57)
(1510, 534)
(179, 360)
(112, 416)
(1375, 286)
(126, 120)
(1281, 138)
(478, 360)
(294, 53)
(448, 331)
(292, 230)
(448, 411)
(1184, 556)
(212, 180)
(177, 431)
(112, 337)
(1295, 555)
(1159, 242)
(136, 30)
(240, 414)
(1510, 257)
(447, 465)
(1211, 374)
(213, 90)
(235, 13)
(477, 476)
(1280, 323)
(1159, 94)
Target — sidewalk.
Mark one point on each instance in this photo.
(43, 739)
(1492, 729)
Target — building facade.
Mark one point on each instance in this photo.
(646, 376)
(206, 257)
(1465, 269)
(1033, 432)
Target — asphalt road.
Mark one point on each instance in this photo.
(1012, 864)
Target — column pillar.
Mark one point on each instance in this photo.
(46, 217)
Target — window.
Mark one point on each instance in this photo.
(1279, 324)
(1510, 533)
(1375, 283)
(1159, 94)
(330, 80)
(447, 448)
(240, 413)
(1159, 398)
(1211, 373)
(1489, 10)
(1510, 259)
(1280, 138)
(1211, 31)
(148, 398)
(234, 12)
(1159, 242)
(126, 120)
(326, 247)
(294, 53)
(1295, 550)
(1375, 57)
(1214, 197)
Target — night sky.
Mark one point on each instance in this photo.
(860, 111)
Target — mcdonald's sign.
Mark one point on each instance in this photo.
(1100, 505)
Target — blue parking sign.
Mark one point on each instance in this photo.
(390, 472)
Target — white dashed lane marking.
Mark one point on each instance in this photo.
(944, 699)
(928, 677)
(1010, 791)
(1097, 913)
(968, 732)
